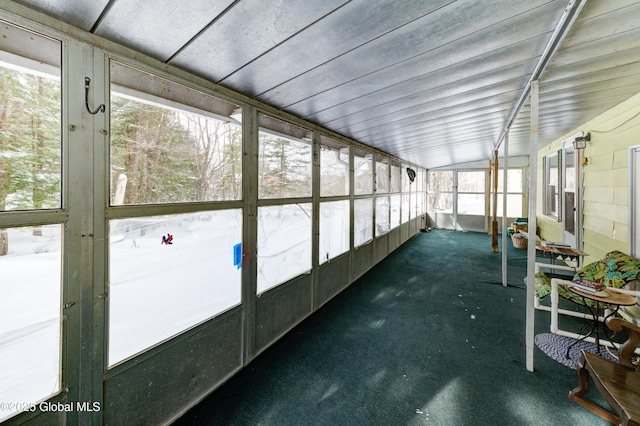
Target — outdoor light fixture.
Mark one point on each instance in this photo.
(580, 142)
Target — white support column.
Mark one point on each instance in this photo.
(505, 167)
(531, 248)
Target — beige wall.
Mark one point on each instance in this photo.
(605, 180)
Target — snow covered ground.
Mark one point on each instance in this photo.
(30, 316)
(159, 290)
(155, 291)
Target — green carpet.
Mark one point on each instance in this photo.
(427, 337)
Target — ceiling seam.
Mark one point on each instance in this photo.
(356, 48)
(283, 41)
(466, 36)
(102, 16)
(426, 91)
(399, 63)
(199, 33)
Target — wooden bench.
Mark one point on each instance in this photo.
(619, 383)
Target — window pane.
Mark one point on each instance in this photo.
(514, 205)
(420, 176)
(471, 204)
(552, 185)
(569, 158)
(396, 177)
(284, 163)
(406, 182)
(30, 291)
(419, 203)
(415, 204)
(362, 221)
(382, 215)
(334, 168)
(334, 229)
(382, 175)
(163, 151)
(284, 243)
(363, 172)
(395, 210)
(440, 181)
(514, 180)
(30, 123)
(441, 202)
(471, 181)
(405, 207)
(159, 288)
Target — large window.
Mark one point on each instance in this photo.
(30, 291)
(382, 215)
(284, 160)
(284, 228)
(169, 273)
(406, 208)
(362, 171)
(362, 221)
(31, 177)
(395, 200)
(396, 176)
(552, 185)
(334, 214)
(440, 188)
(30, 141)
(382, 174)
(418, 195)
(471, 192)
(334, 229)
(514, 192)
(382, 197)
(166, 151)
(284, 243)
(334, 168)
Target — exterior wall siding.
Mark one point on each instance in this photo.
(605, 181)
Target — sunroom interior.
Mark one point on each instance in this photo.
(190, 181)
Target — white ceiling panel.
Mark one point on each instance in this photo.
(434, 83)
(159, 28)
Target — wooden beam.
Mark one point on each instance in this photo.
(488, 197)
(494, 221)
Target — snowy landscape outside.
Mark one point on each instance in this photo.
(30, 322)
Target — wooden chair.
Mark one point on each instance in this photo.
(619, 383)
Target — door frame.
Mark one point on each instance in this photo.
(575, 239)
(634, 200)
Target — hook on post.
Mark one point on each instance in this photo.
(101, 107)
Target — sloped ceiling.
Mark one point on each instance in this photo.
(433, 82)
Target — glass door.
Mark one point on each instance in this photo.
(470, 206)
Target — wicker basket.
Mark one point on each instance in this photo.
(519, 242)
(520, 227)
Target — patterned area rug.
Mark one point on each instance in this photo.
(555, 346)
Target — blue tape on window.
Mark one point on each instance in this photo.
(237, 255)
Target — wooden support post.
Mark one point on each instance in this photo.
(505, 168)
(494, 222)
(488, 197)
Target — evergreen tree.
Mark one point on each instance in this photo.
(285, 167)
(154, 150)
(30, 143)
